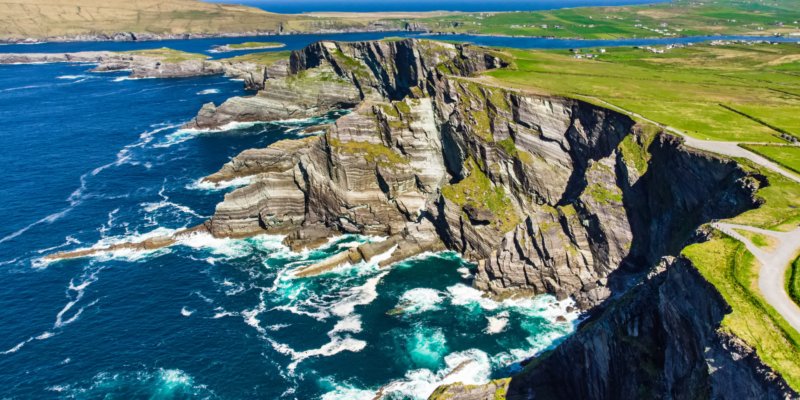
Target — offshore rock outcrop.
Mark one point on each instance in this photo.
(170, 64)
(661, 341)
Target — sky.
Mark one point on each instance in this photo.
(300, 6)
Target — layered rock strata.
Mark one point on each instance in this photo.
(548, 194)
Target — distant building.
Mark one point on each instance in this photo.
(602, 50)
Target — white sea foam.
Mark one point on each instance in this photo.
(150, 207)
(45, 335)
(463, 295)
(357, 296)
(350, 323)
(496, 325)
(277, 327)
(16, 348)
(186, 312)
(208, 91)
(71, 77)
(58, 388)
(200, 184)
(419, 300)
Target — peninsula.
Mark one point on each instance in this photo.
(552, 183)
(29, 21)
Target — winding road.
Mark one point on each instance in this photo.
(774, 264)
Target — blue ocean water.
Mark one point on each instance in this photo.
(93, 159)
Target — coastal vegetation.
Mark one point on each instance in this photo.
(251, 45)
(785, 156)
(266, 58)
(26, 19)
(740, 92)
(763, 242)
(670, 19)
(166, 55)
(726, 263)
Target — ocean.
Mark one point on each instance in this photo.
(94, 159)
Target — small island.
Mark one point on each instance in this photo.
(246, 46)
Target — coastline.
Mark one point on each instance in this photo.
(149, 37)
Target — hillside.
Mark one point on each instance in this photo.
(49, 18)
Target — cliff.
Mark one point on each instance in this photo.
(548, 194)
(167, 63)
(660, 341)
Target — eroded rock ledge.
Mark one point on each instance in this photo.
(548, 194)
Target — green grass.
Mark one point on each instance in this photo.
(266, 58)
(786, 156)
(250, 45)
(166, 55)
(781, 200)
(682, 17)
(763, 242)
(726, 264)
(702, 120)
(378, 154)
(792, 280)
(725, 93)
(477, 189)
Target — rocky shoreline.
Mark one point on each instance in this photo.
(546, 194)
(227, 48)
(150, 37)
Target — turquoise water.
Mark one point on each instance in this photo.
(96, 159)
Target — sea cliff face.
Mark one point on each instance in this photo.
(660, 341)
(548, 195)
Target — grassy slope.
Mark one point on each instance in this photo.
(44, 18)
(764, 242)
(167, 55)
(264, 58)
(250, 45)
(681, 18)
(734, 272)
(684, 88)
(788, 156)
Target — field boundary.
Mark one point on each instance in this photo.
(768, 125)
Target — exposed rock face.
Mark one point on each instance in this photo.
(550, 195)
(140, 66)
(327, 76)
(79, 57)
(660, 342)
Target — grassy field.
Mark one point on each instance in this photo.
(763, 242)
(672, 19)
(781, 208)
(787, 156)
(727, 264)
(250, 45)
(47, 18)
(167, 55)
(740, 93)
(265, 58)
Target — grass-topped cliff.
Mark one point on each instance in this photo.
(733, 92)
